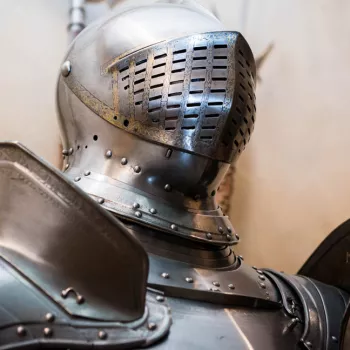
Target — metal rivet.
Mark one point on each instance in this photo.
(67, 166)
(229, 230)
(108, 154)
(100, 200)
(231, 286)
(138, 214)
(152, 326)
(173, 227)
(237, 236)
(70, 151)
(220, 229)
(124, 161)
(87, 173)
(102, 335)
(189, 279)
(50, 317)
(228, 237)
(136, 205)
(241, 257)
(48, 332)
(78, 178)
(66, 68)
(65, 152)
(165, 275)
(216, 284)
(153, 211)
(21, 331)
(259, 272)
(160, 298)
(80, 299)
(137, 169)
(262, 277)
(334, 339)
(168, 153)
(262, 285)
(209, 236)
(167, 188)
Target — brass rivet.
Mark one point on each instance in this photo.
(137, 169)
(124, 161)
(189, 279)
(138, 214)
(165, 275)
(136, 205)
(70, 151)
(229, 230)
(173, 227)
(167, 188)
(237, 236)
(216, 284)
(153, 211)
(228, 237)
(241, 257)
(78, 178)
(262, 277)
(231, 286)
(67, 166)
(108, 154)
(209, 236)
(221, 230)
(65, 152)
(100, 200)
(262, 285)
(160, 298)
(87, 173)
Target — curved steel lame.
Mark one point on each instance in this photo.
(60, 239)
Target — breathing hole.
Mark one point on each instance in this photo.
(160, 56)
(115, 117)
(95, 137)
(86, 146)
(78, 147)
(126, 123)
(213, 193)
(200, 48)
(179, 51)
(220, 46)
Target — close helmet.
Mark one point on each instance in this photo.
(154, 104)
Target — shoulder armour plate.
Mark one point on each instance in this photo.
(66, 244)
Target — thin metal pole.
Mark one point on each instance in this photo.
(76, 18)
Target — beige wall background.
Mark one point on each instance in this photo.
(292, 183)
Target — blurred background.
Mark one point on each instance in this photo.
(292, 183)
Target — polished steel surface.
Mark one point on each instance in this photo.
(237, 285)
(156, 115)
(194, 93)
(54, 234)
(28, 318)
